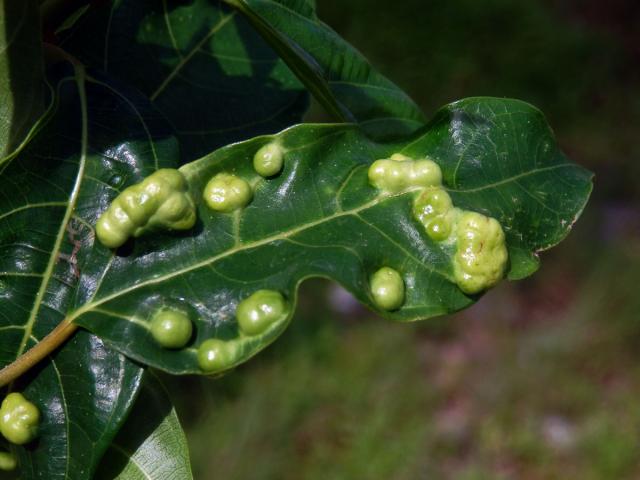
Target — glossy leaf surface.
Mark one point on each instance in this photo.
(152, 444)
(200, 63)
(340, 78)
(320, 217)
(95, 139)
(84, 394)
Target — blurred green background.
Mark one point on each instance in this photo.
(539, 380)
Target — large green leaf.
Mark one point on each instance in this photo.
(340, 78)
(21, 75)
(320, 217)
(84, 393)
(152, 444)
(199, 62)
(95, 139)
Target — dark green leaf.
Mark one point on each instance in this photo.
(340, 78)
(152, 444)
(95, 139)
(199, 62)
(320, 217)
(84, 394)
(21, 100)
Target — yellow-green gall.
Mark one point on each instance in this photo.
(19, 419)
(434, 209)
(387, 288)
(268, 161)
(439, 228)
(263, 308)
(215, 355)
(481, 255)
(171, 328)
(160, 201)
(399, 157)
(7, 462)
(398, 174)
(226, 193)
(431, 203)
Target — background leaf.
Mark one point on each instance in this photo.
(339, 77)
(320, 217)
(84, 393)
(200, 63)
(96, 138)
(152, 443)
(21, 72)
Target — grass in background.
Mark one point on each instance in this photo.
(541, 379)
(528, 384)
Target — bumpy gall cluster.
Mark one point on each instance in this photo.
(226, 193)
(160, 201)
(481, 256)
(400, 173)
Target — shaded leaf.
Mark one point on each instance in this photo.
(339, 77)
(95, 139)
(320, 217)
(152, 444)
(21, 72)
(199, 62)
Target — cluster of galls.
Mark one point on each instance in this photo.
(163, 200)
(480, 257)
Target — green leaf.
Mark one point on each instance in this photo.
(338, 76)
(199, 62)
(95, 139)
(320, 217)
(152, 444)
(21, 75)
(84, 394)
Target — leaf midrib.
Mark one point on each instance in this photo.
(73, 198)
(242, 247)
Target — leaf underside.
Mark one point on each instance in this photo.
(152, 443)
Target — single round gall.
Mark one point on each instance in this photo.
(19, 419)
(7, 462)
(387, 288)
(215, 355)
(171, 328)
(226, 193)
(268, 161)
(260, 310)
